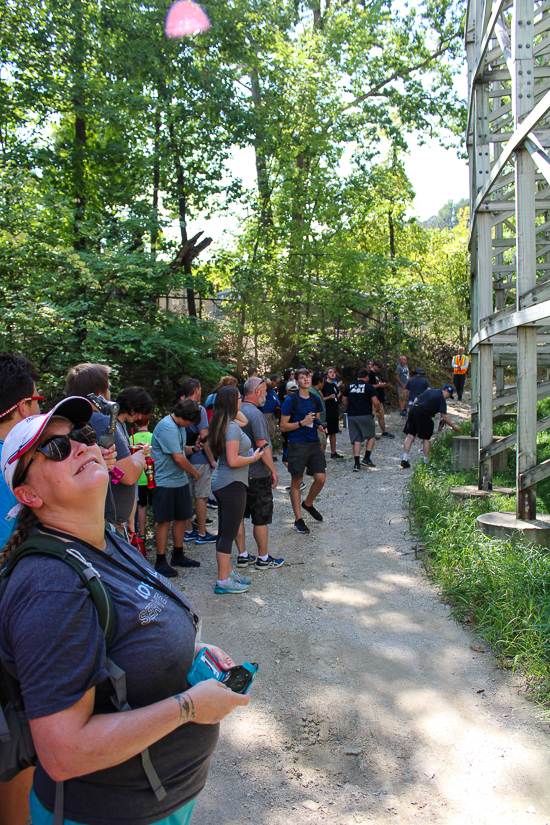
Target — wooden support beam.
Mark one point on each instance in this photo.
(510, 440)
(529, 478)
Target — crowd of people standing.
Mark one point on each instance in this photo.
(82, 475)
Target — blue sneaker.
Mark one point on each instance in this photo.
(207, 539)
(269, 564)
(302, 487)
(190, 536)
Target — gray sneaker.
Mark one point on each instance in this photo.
(230, 586)
(239, 577)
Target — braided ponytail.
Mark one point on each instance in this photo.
(25, 523)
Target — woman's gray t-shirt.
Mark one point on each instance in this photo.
(223, 473)
(50, 639)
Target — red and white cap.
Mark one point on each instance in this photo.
(22, 437)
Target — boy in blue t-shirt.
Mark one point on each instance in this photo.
(300, 419)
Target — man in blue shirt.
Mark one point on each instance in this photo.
(19, 400)
(300, 419)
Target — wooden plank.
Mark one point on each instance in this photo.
(504, 206)
(530, 477)
(520, 133)
(537, 314)
(480, 58)
(510, 440)
(539, 155)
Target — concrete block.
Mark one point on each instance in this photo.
(465, 454)
(507, 526)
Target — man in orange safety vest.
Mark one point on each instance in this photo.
(461, 363)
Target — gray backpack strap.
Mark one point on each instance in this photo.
(58, 818)
(152, 776)
(118, 680)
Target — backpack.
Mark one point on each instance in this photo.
(17, 750)
(318, 403)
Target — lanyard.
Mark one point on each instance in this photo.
(141, 575)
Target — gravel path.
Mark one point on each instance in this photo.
(371, 705)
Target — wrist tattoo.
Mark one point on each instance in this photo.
(186, 706)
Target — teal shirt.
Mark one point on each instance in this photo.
(167, 439)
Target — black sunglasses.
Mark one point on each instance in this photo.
(58, 447)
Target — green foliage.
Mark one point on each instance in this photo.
(501, 589)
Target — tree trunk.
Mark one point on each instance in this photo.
(266, 214)
(156, 187)
(79, 144)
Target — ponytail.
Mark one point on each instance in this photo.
(25, 522)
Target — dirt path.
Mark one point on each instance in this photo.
(370, 704)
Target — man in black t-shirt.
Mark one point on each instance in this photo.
(415, 386)
(358, 399)
(420, 421)
(375, 380)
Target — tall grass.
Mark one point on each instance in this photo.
(502, 589)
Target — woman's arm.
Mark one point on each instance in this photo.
(234, 459)
(73, 742)
(241, 419)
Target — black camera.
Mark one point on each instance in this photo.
(110, 408)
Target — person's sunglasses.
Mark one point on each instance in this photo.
(58, 447)
(23, 401)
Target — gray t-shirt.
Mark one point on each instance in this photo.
(167, 439)
(50, 639)
(198, 458)
(402, 372)
(256, 430)
(223, 473)
(119, 502)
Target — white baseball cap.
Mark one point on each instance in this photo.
(22, 437)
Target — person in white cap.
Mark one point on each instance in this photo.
(51, 638)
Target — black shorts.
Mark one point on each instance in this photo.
(259, 501)
(144, 495)
(302, 454)
(172, 503)
(332, 425)
(419, 423)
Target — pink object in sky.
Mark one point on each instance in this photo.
(185, 18)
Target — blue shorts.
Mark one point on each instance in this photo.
(40, 816)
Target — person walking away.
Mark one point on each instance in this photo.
(420, 421)
(330, 396)
(229, 481)
(460, 365)
(171, 496)
(262, 480)
(358, 399)
(415, 386)
(317, 384)
(200, 456)
(298, 419)
(374, 379)
(402, 374)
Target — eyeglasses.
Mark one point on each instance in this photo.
(58, 447)
(23, 401)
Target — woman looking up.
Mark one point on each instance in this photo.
(229, 481)
(51, 640)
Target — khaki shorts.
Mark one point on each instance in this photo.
(400, 392)
(380, 410)
(322, 437)
(201, 488)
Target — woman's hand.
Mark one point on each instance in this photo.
(256, 455)
(225, 661)
(206, 703)
(109, 456)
